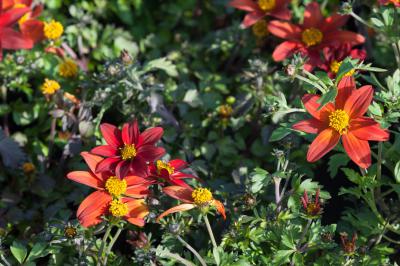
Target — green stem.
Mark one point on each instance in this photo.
(110, 246)
(174, 256)
(195, 253)
(360, 19)
(210, 232)
(103, 243)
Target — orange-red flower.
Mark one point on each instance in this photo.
(261, 8)
(170, 172)
(122, 198)
(396, 3)
(344, 120)
(312, 209)
(128, 151)
(192, 198)
(312, 36)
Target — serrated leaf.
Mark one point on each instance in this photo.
(327, 97)
(282, 256)
(279, 134)
(163, 64)
(19, 251)
(336, 161)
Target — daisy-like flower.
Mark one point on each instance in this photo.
(128, 151)
(257, 10)
(68, 68)
(193, 198)
(121, 198)
(50, 87)
(170, 172)
(53, 30)
(344, 120)
(312, 36)
(396, 3)
(333, 58)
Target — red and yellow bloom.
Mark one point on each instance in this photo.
(128, 151)
(192, 198)
(344, 120)
(312, 36)
(396, 3)
(261, 8)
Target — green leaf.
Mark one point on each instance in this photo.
(327, 97)
(347, 65)
(352, 175)
(19, 251)
(397, 172)
(282, 256)
(163, 64)
(217, 257)
(279, 134)
(38, 251)
(336, 161)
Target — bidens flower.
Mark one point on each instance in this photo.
(312, 36)
(261, 8)
(396, 3)
(50, 87)
(53, 30)
(68, 68)
(311, 209)
(200, 197)
(344, 120)
(128, 151)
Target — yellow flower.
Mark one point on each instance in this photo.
(68, 68)
(28, 168)
(53, 30)
(50, 87)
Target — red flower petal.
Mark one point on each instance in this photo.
(334, 22)
(284, 50)
(92, 161)
(246, 5)
(9, 18)
(105, 150)
(150, 153)
(180, 193)
(137, 210)
(107, 164)
(111, 134)
(33, 29)
(86, 178)
(358, 102)
(220, 208)
(313, 16)
(179, 208)
(139, 167)
(122, 169)
(312, 126)
(92, 208)
(311, 105)
(342, 36)
(366, 128)
(14, 40)
(322, 144)
(284, 30)
(178, 164)
(150, 136)
(345, 87)
(130, 133)
(251, 18)
(357, 149)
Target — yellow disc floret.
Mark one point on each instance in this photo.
(118, 208)
(68, 68)
(128, 152)
(70, 231)
(311, 36)
(53, 30)
(266, 5)
(28, 168)
(260, 29)
(339, 121)
(202, 196)
(50, 87)
(164, 166)
(335, 65)
(115, 186)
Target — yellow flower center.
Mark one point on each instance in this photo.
(339, 121)
(128, 152)
(260, 29)
(202, 196)
(118, 208)
(53, 30)
(115, 186)
(28, 168)
(24, 17)
(164, 166)
(311, 36)
(225, 110)
(335, 65)
(68, 68)
(266, 5)
(70, 231)
(49, 87)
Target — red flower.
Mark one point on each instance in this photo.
(261, 8)
(312, 209)
(116, 197)
(343, 119)
(333, 58)
(312, 36)
(128, 151)
(170, 172)
(396, 3)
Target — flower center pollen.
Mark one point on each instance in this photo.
(260, 28)
(118, 208)
(201, 196)
(164, 166)
(53, 30)
(339, 121)
(266, 5)
(115, 186)
(50, 87)
(68, 68)
(311, 36)
(335, 65)
(128, 152)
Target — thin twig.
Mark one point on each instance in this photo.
(210, 232)
(189, 247)
(175, 256)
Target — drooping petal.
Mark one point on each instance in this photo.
(343, 36)
(251, 18)
(86, 178)
(179, 208)
(122, 169)
(357, 149)
(180, 193)
(111, 134)
(312, 126)
(366, 128)
(150, 136)
(246, 5)
(92, 208)
(107, 164)
(150, 153)
(284, 30)
(311, 105)
(358, 102)
(345, 87)
(220, 208)
(105, 150)
(322, 144)
(313, 17)
(284, 50)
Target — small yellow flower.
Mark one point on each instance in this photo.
(50, 87)
(70, 231)
(118, 208)
(53, 30)
(68, 68)
(28, 168)
(202, 196)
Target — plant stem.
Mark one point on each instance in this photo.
(110, 246)
(103, 243)
(304, 232)
(360, 19)
(396, 53)
(210, 232)
(174, 256)
(6, 262)
(189, 247)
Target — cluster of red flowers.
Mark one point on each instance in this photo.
(23, 13)
(319, 39)
(122, 171)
